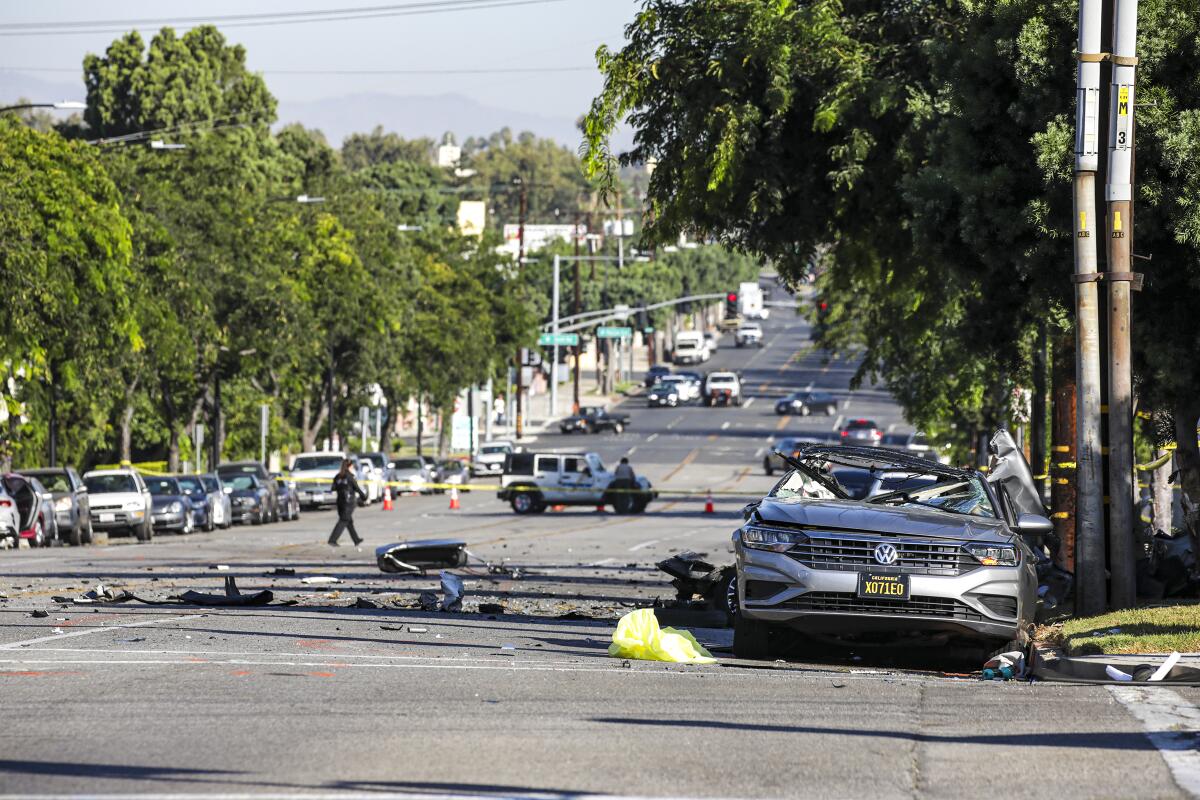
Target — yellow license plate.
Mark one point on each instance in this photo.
(882, 586)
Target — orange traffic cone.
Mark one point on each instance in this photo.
(454, 506)
(708, 504)
(600, 508)
(559, 507)
(387, 499)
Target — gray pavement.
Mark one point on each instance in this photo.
(320, 698)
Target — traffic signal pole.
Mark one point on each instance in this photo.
(1119, 195)
(1090, 596)
(554, 330)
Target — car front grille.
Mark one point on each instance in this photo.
(850, 553)
(915, 606)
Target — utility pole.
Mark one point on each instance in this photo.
(524, 199)
(578, 310)
(1119, 195)
(554, 328)
(1090, 596)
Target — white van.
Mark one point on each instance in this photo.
(690, 348)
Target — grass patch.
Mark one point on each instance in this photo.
(1155, 629)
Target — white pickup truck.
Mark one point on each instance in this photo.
(314, 474)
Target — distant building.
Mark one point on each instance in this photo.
(538, 236)
(448, 155)
(472, 217)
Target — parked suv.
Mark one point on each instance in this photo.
(232, 469)
(71, 509)
(534, 481)
(921, 548)
(120, 501)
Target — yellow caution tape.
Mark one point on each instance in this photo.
(1065, 465)
(1062, 481)
(1059, 515)
(1061, 448)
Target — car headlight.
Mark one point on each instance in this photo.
(994, 555)
(133, 505)
(653, 397)
(773, 539)
(62, 504)
(174, 508)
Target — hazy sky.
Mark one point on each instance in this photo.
(556, 36)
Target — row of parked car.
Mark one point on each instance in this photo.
(50, 505)
(313, 473)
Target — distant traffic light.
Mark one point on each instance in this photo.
(731, 304)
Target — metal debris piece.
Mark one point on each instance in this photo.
(40, 614)
(452, 591)
(421, 555)
(282, 571)
(363, 602)
(232, 596)
(491, 608)
(428, 600)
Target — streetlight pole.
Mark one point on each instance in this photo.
(62, 105)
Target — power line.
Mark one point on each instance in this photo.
(463, 71)
(262, 20)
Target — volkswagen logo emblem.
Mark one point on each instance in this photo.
(886, 554)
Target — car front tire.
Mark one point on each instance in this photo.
(525, 502)
(75, 535)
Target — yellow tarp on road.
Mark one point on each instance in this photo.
(639, 636)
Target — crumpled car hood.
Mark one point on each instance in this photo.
(851, 516)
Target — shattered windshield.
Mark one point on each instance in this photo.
(965, 496)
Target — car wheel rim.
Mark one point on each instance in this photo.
(523, 502)
(731, 598)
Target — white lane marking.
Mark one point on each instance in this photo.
(508, 795)
(631, 450)
(891, 427)
(1172, 725)
(652, 437)
(759, 452)
(602, 562)
(674, 422)
(650, 542)
(725, 425)
(71, 634)
(748, 403)
(838, 422)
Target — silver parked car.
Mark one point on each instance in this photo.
(913, 547)
(71, 508)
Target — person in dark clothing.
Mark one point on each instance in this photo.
(348, 495)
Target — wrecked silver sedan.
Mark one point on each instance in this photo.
(912, 548)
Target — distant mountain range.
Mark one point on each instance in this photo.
(411, 116)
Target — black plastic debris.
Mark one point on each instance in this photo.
(421, 555)
(40, 614)
(428, 601)
(232, 597)
(693, 577)
(491, 608)
(282, 571)
(516, 573)
(100, 595)
(363, 602)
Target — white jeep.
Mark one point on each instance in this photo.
(532, 482)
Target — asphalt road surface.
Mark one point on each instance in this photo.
(323, 698)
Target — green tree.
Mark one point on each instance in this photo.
(65, 266)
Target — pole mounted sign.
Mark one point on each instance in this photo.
(614, 332)
(559, 339)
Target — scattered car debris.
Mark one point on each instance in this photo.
(320, 580)
(232, 596)
(428, 600)
(389, 628)
(421, 555)
(1048, 666)
(57, 630)
(516, 573)
(1005, 666)
(219, 567)
(282, 571)
(574, 615)
(40, 614)
(415, 629)
(452, 591)
(491, 608)
(638, 636)
(363, 602)
(692, 577)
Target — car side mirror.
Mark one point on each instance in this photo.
(1034, 524)
(228, 490)
(749, 509)
(587, 471)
